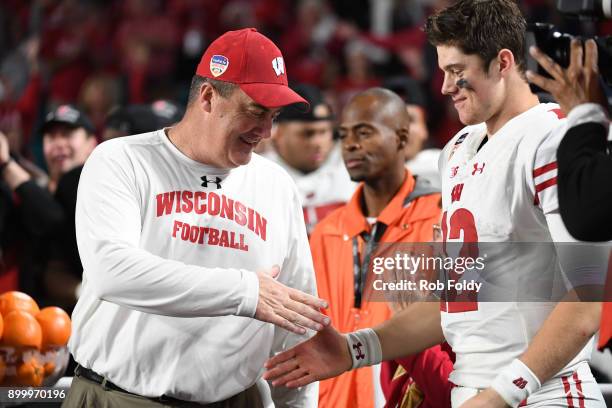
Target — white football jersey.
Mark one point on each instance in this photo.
(322, 191)
(500, 193)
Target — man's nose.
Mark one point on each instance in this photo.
(449, 87)
(350, 144)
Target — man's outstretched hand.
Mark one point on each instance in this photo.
(325, 355)
(287, 307)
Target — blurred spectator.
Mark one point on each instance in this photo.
(64, 48)
(191, 17)
(68, 139)
(98, 95)
(135, 119)
(19, 107)
(29, 216)
(237, 14)
(359, 72)
(146, 30)
(304, 145)
(423, 163)
(309, 42)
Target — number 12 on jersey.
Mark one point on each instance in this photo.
(461, 222)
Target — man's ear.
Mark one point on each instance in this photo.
(206, 96)
(505, 61)
(403, 134)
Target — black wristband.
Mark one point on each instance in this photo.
(6, 163)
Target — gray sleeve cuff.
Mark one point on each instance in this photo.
(587, 112)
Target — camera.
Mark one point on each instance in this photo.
(556, 44)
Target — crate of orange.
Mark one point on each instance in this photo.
(33, 350)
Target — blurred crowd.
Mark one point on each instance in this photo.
(111, 68)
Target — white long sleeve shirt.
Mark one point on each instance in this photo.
(169, 249)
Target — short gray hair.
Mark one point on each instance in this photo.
(225, 89)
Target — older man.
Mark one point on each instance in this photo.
(189, 244)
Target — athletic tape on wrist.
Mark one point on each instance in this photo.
(364, 347)
(515, 383)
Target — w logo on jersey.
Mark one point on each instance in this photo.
(456, 192)
(279, 66)
(520, 382)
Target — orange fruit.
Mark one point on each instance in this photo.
(49, 368)
(30, 373)
(21, 330)
(14, 300)
(55, 325)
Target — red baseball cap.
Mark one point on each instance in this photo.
(250, 60)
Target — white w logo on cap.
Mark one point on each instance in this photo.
(279, 66)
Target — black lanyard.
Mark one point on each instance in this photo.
(360, 270)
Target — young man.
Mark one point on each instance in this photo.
(498, 185)
(390, 205)
(191, 245)
(303, 144)
(68, 140)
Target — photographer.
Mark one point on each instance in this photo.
(584, 163)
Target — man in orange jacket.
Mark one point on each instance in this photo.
(389, 206)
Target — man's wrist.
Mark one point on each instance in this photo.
(515, 383)
(364, 347)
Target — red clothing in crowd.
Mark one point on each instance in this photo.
(419, 381)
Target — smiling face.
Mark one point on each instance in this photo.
(483, 94)
(66, 147)
(237, 124)
(373, 135)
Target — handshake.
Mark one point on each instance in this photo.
(287, 307)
